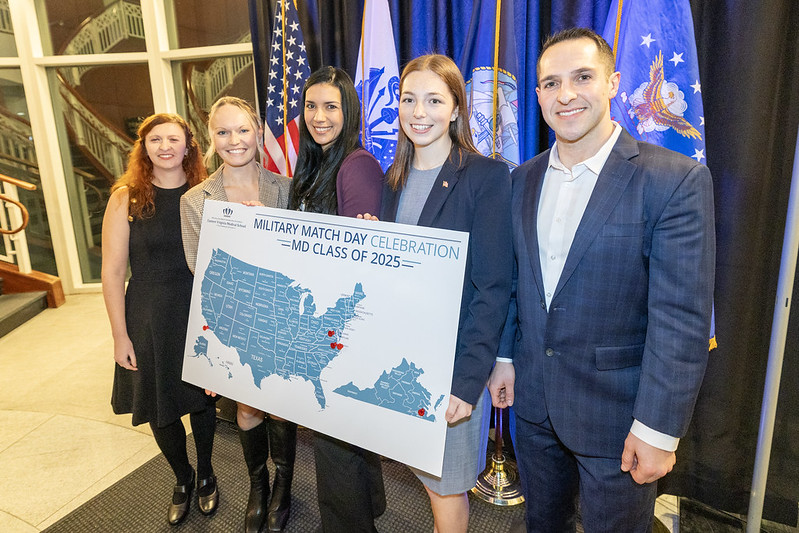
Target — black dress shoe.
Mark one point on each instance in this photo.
(181, 502)
(207, 495)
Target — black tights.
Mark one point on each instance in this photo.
(171, 439)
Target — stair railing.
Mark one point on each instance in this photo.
(105, 143)
(203, 88)
(13, 220)
(100, 33)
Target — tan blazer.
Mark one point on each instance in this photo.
(273, 191)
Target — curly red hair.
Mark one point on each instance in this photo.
(138, 176)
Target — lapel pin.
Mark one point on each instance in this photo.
(445, 184)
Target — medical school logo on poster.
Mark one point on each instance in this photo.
(495, 136)
(380, 103)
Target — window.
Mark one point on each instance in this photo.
(94, 82)
(71, 27)
(208, 22)
(98, 110)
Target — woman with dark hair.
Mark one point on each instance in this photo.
(336, 176)
(439, 180)
(148, 322)
(237, 138)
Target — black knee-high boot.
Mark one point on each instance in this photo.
(255, 444)
(283, 438)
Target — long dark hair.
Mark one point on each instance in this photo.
(446, 69)
(314, 183)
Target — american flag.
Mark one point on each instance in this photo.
(288, 70)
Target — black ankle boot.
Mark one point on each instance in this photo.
(283, 438)
(255, 444)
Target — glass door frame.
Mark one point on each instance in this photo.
(34, 65)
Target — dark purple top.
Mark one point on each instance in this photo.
(359, 184)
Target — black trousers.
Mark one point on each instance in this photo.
(349, 485)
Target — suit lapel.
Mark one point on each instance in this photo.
(532, 195)
(267, 187)
(214, 187)
(388, 211)
(610, 185)
(444, 184)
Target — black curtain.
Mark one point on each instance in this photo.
(749, 65)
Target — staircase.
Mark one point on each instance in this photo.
(16, 309)
(24, 292)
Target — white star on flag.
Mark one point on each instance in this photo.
(699, 155)
(677, 59)
(697, 87)
(647, 40)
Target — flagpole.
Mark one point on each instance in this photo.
(495, 82)
(363, 75)
(286, 137)
(776, 353)
(618, 29)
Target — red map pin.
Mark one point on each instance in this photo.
(205, 328)
(339, 346)
(333, 345)
(330, 332)
(421, 412)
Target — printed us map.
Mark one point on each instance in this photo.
(347, 327)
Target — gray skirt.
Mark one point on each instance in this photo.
(464, 452)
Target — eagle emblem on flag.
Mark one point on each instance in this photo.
(659, 104)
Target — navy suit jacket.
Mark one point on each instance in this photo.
(472, 194)
(626, 333)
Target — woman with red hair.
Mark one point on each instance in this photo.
(148, 322)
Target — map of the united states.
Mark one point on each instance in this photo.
(269, 320)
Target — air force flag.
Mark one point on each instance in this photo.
(660, 97)
(377, 83)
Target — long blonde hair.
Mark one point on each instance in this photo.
(252, 116)
(446, 69)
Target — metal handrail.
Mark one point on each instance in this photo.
(25, 217)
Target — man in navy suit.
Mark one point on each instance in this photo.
(606, 341)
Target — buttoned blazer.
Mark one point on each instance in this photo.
(626, 333)
(273, 191)
(472, 194)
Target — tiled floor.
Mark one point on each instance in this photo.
(60, 443)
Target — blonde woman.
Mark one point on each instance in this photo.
(237, 138)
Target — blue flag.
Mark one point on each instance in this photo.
(490, 66)
(660, 95)
(378, 72)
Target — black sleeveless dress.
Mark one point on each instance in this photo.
(157, 312)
